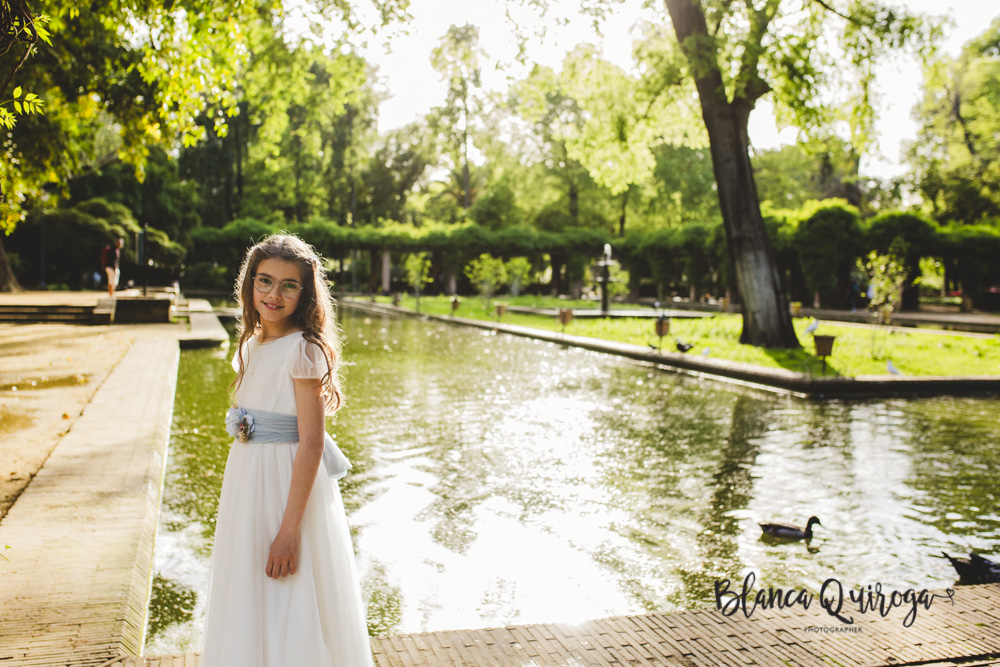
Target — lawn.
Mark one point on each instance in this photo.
(858, 349)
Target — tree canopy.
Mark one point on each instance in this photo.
(200, 117)
(956, 156)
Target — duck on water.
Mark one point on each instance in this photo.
(790, 532)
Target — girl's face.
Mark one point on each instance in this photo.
(277, 288)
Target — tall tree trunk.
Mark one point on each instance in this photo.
(298, 184)
(239, 150)
(766, 319)
(225, 145)
(374, 271)
(466, 197)
(621, 218)
(574, 203)
(8, 283)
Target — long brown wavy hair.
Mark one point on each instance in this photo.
(314, 315)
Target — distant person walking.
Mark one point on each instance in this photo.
(110, 258)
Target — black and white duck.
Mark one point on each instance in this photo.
(975, 569)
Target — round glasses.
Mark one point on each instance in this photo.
(264, 283)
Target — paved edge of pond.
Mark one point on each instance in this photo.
(205, 329)
(965, 632)
(945, 633)
(76, 587)
(778, 379)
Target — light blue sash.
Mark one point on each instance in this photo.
(263, 427)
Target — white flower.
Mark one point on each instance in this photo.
(239, 423)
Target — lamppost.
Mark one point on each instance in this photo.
(142, 256)
(605, 277)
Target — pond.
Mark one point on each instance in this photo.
(500, 480)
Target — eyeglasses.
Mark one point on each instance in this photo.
(264, 283)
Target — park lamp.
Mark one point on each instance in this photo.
(605, 277)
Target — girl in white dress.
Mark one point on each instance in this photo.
(284, 590)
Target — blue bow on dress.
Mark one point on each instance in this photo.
(263, 427)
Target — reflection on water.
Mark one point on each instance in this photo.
(501, 480)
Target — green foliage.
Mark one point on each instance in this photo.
(518, 271)
(120, 77)
(487, 273)
(496, 209)
(886, 273)
(161, 200)
(970, 255)
(417, 269)
(792, 175)
(916, 352)
(623, 116)
(828, 243)
(208, 276)
(23, 103)
(956, 156)
(457, 59)
(921, 241)
(73, 238)
(686, 256)
(684, 191)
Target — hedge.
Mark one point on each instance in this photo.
(816, 249)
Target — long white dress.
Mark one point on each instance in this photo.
(315, 617)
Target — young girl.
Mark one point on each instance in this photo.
(283, 590)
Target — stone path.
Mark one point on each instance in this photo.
(75, 587)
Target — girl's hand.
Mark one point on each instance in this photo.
(284, 557)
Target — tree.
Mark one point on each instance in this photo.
(119, 77)
(736, 54)
(625, 116)
(683, 188)
(828, 243)
(544, 101)
(418, 273)
(487, 273)
(398, 161)
(956, 157)
(793, 50)
(456, 59)
(518, 274)
(789, 176)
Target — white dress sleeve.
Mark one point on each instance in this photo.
(306, 360)
(236, 359)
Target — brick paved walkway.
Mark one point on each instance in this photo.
(965, 633)
(76, 586)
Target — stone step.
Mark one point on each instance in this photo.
(21, 313)
(180, 660)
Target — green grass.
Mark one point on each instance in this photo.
(858, 350)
